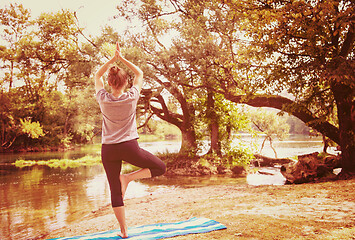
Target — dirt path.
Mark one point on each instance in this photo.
(308, 211)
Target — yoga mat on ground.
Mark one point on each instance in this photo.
(157, 231)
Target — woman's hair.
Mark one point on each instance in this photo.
(117, 77)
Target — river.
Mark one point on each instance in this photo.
(42, 199)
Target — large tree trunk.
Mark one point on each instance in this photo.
(184, 122)
(340, 69)
(345, 105)
(213, 125)
(188, 143)
(215, 144)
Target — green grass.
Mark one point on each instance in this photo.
(61, 163)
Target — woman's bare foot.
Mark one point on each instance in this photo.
(121, 218)
(124, 183)
(123, 235)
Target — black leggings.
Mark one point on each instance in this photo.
(112, 156)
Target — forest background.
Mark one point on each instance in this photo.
(294, 56)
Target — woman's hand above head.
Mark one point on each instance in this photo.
(99, 84)
(138, 73)
(118, 54)
(118, 50)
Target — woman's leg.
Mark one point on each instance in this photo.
(112, 156)
(143, 159)
(112, 165)
(151, 165)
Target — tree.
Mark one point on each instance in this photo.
(268, 48)
(184, 68)
(160, 73)
(271, 125)
(41, 59)
(307, 49)
(32, 129)
(14, 22)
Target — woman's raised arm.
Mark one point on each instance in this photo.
(138, 73)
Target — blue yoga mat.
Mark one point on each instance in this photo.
(158, 231)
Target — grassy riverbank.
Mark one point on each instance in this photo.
(307, 211)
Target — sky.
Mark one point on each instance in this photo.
(92, 14)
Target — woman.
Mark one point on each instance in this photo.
(119, 133)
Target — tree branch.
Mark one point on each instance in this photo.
(169, 118)
(146, 121)
(287, 105)
(349, 41)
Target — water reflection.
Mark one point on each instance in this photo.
(40, 200)
(37, 201)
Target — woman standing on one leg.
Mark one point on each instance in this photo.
(119, 133)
